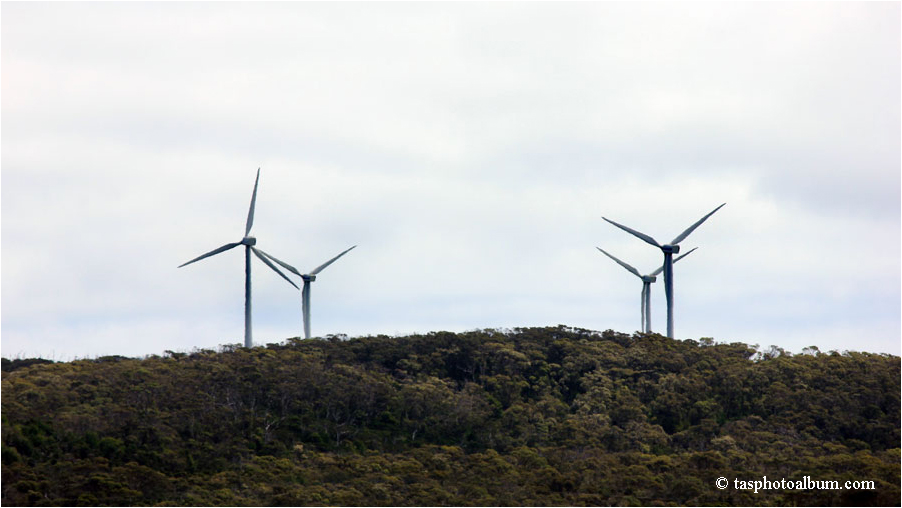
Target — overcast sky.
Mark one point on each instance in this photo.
(470, 150)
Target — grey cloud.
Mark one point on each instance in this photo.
(468, 149)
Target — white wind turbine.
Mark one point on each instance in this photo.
(248, 242)
(647, 281)
(308, 278)
(669, 250)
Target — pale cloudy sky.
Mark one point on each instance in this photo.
(468, 149)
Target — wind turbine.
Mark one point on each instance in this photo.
(308, 278)
(669, 250)
(647, 281)
(248, 242)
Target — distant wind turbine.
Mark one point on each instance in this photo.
(308, 278)
(248, 242)
(669, 250)
(647, 281)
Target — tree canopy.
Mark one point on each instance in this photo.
(531, 416)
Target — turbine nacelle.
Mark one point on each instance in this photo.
(250, 241)
(308, 278)
(649, 278)
(670, 249)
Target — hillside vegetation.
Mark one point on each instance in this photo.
(539, 416)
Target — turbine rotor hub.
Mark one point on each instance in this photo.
(250, 241)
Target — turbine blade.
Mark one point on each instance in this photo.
(284, 264)
(681, 256)
(621, 263)
(635, 233)
(691, 228)
(250, 213)
(269, 264)
(329, 262)
(212, 253)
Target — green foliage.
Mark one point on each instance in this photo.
(7, 365)
(536, 416)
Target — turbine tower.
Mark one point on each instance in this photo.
(647, 281)
(308, 278)
(669, 250)
(249, 243)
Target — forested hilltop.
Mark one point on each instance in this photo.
(537, 416)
